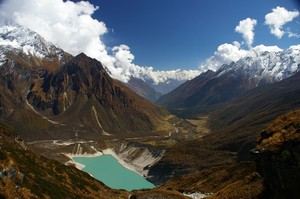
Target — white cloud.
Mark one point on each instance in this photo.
(225, 54)
(246, 28)
(262, 48)
(71, 26)
(292, 34)
(123, 63)
(278, 18)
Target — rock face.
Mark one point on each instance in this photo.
(278, 156)
(139, 156)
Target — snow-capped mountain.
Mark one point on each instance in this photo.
(266, 66)
(19, 40)
(232, 80)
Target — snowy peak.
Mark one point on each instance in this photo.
(269, 66)
(16, 38)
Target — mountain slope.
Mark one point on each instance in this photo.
(238, 122)
(48, 94)
(143, 89)
(234, 79)
(24, 57)
(277, 156)
(79, 100)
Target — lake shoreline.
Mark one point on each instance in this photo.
(107, 169)
(100, 153)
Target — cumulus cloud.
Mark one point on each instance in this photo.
(123, 63)
(278, 18)
(71, 26)
(262, 48)
(246, 28)
(227, 53)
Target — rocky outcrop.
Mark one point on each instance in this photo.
(140, 156)
(278, 157)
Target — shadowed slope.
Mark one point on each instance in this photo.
(25, 174)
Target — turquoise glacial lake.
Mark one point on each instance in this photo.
(108, 170)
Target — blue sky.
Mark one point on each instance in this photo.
(169, 34)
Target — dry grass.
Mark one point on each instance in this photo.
(224, 182)
(202, 127)
(283, 130)
(165, 125)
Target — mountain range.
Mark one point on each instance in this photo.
(232, 80)
(48, 94)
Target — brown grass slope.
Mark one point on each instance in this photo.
(237, 181)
